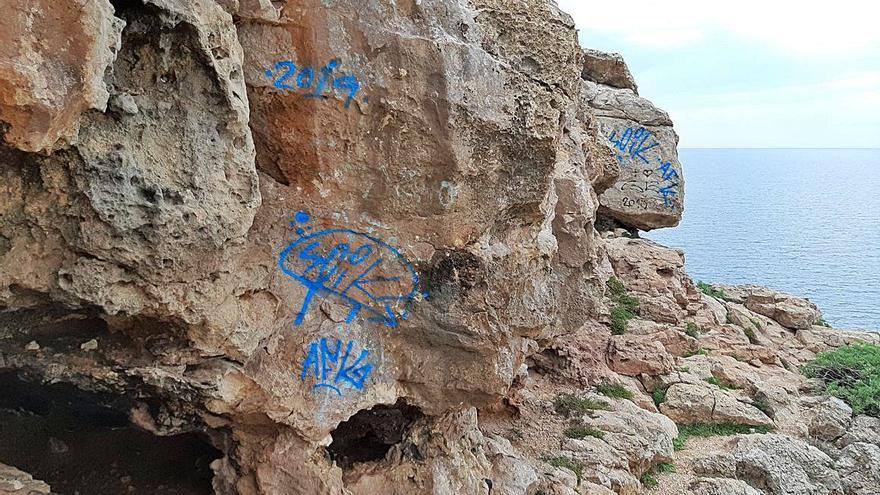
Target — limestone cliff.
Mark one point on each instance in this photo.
(345, 247)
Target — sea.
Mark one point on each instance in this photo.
(802, 221)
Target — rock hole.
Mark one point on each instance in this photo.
(148, 194)
(82, 442)
(369, 434)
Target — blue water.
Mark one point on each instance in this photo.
(804, 221)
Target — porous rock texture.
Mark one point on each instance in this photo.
(352, 247)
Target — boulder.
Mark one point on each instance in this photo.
(864, 429)
(634, 355)
(789, 311)
(690, 403)
(649, 193)
(784, 465)
(721, 486)
(859, 468)
(827, 418)
(16, 482)
(609, 69)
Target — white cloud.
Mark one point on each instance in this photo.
(798, 27)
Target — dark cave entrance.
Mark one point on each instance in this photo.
(83, 443)
(369, 434)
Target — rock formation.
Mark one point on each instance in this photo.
(351, 248)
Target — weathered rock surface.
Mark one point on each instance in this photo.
(649, 193)
(52, 63)
(721, 486)
(789, 311)
(16, 482)
(609, 69)
(352, 247)
(778, 464)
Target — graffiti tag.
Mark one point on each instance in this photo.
(285, 75)
(335, 367)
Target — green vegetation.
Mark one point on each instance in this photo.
(712, 291)
(625, 307)
(698, 352)
(750, 334)
(757, 323)
(718, 383)
(693, 330)
(649, 479)
(567, 463)
(709, 430)
(659, 396)
(684, 369)
(851, 373)
(614, 391)
(570, 404)
(582, 431)
(822, 323)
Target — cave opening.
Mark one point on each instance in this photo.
(83, 443)
(370, 434)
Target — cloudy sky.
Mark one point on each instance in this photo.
(750, 73)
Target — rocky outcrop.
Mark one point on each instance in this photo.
(649, 193)
(16, 482)
(352, 248)
(608, 69)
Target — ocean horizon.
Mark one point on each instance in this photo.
(798, 220)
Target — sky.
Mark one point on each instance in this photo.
(749, 73)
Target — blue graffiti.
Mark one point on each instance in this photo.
(334, 367)
(632, 143)
(285, 70)
(368, 274)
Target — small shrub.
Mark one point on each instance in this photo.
(851, 373)
(615, 287)
(567, 463)
(614, 391)
(580, 432)
(698, 352)
(659, 396)
(619, 318)
(750, 334)
(649, 481)
(570, 404)
(710, 430)
(712, 291)
(822, 323)
(693, 330)
(718, 383)
(625, 307)
(665, 467)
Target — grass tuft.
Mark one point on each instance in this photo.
(625, 307)
(567, 463)
(614, 391)
(579, 432)
(693, 330)
(851, 373)
(570, 404)
(712, 291)
(711, 430)
(659, 396)
(822, 323)
(718, 383)
(649, 480)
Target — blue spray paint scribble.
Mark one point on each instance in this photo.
(285, 70)
(631, 145)
(335, 367)
(368, 274)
